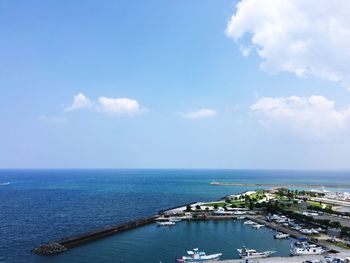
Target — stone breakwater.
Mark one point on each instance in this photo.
(56, 247)
(52, 248)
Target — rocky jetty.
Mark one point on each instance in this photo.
(49, 249)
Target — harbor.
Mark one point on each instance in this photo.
(247, 215)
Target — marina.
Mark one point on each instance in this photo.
(170, 243)
(171, 217)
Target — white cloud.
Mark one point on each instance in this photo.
(113, 106)
(313, 117)
(307, 38)
(202, 113)
(119, 106)
(80, 101)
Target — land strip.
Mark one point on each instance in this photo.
(280, 185)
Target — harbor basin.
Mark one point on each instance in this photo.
(154, 243)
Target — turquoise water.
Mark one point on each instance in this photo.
(41, 205)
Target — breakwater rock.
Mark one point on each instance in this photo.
(52, 248)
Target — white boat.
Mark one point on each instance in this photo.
(257, 226)
(241, 217)
(299, 248)
(221, 211)
(165, 223)
(281, 236)
(199, 256)
(237, 213)
(249, 222)
(174, 219)
(306, 231)
(252, 253)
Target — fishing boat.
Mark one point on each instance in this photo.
(199, 256)
(165, 223)
(247, 253)
(258, 226)
(174, 219)
(237, 213)
(306, 231)
(302, 247)
(280, 235)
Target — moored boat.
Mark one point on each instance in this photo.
(199, 256)
(247, 253)
(174, 219)
(257, 226)
(302, 247)
(165, 223)
(280, 235)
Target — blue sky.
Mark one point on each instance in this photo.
(190, 97)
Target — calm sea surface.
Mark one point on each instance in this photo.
(41, 205)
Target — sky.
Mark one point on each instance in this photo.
(245, 84)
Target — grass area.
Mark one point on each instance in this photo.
(313, 203)
(282, 198)
(219, 204)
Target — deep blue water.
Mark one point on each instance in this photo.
(42, 205)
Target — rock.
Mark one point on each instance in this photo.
(49, 249)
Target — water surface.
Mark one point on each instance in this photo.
(41, 205)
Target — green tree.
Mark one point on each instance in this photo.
(335, 224)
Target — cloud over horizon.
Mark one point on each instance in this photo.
(112, 106)
(307, 38)
(313, 117)
(119, 106)
(201, 113)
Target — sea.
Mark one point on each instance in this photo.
(37, 206)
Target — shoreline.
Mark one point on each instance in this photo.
(280, 185)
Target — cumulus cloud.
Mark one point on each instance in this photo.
(119, 106)
(80, 101)
(112, 106)
(307, 38)
(202, 113)
(314, 116)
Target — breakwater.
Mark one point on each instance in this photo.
(55, 247)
